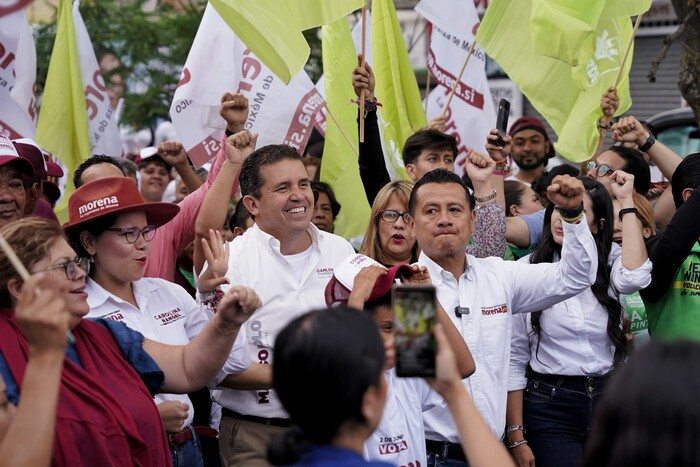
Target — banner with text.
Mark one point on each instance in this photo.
(471, 113)
(102, 125)
(220, 62)
(17, 77)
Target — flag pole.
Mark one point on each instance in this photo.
(362, 65)
(427, 89)
(345, 135)
(459, 78)
(629, 47)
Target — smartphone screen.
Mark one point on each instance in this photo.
(502, 120)
(414, 323)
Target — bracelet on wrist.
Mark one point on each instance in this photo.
(571, 215)
(485, 199)
(603, 126)
(626, 211)
(647, 144)
(514, 428)
(517, 443)
(211, 299)
(502, 170)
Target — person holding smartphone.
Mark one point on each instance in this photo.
(364, 284)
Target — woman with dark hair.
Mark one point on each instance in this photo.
(573, 347)
(340, 353)
(649, 414)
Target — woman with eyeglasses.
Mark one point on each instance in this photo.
(105, 414)
(572, 348)
(110, 224)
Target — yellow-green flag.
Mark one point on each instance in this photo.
(63, 123)
(339, 168)
(402, 113)
(568, 97)
(272, 28)
(565, 29)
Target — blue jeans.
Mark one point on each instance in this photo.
(557, 414)
(187, 454)
(444, 462)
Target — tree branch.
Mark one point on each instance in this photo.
(668, 40)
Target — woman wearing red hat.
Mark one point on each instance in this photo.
(110, 223)
(105, 413)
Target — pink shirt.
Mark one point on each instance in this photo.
(180, 231)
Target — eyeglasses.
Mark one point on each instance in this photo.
(392, 216)
(71, 267)
(603, 169)
(132, 234)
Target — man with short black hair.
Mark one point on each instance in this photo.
(619, 157)
(481, 294)
(288, 261)
(531, 149)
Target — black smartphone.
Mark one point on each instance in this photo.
(502, 121)
(414, 324)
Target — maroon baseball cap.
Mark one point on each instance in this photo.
(340, 286)
(52, 191)
(113, 196)
(532, 123)
(9, 154)
(28, 149)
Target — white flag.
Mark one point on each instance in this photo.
(102, 124)
(471, 114)
(17, 77)
(219, 62)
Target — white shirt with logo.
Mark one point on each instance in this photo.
(166, 314)
(400, 436)
(488, 292)
(255, 261)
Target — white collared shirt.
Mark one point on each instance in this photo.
(166, 314)
(399, 439)
(491, 289)
(255, 261)
(574, 339)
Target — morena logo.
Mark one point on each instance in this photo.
(98, 205)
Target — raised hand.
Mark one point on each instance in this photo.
(496, 152)
(609, 103)
(622, 185)
(173, 152)
(42, 316)
(240, 145)
(236, 306)
(629, 130)
(216, 252)
(566, 192)
(438, 123)
(234, 109)
(363, 78)
(479, 167)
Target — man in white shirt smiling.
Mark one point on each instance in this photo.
(288, 262)
(480, 294)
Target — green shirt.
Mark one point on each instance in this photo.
(677, 314)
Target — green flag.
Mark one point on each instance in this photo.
(402, 113)
(568, 97)
(63, 121)
(272, 28)
(339, 168)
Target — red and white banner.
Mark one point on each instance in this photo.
(471, 114)
(17, 77)
(102, 124)
(220, 62)
(11, 6)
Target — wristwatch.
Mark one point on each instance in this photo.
(647, 144)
